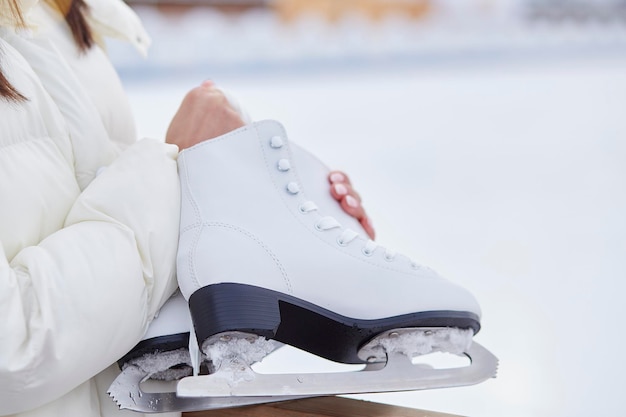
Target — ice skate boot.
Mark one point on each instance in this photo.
(151, 369)
(259, 259)
(163, 357)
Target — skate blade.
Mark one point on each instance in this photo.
(235, 378)
(126, 392)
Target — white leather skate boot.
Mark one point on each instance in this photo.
(258, 256)
(150, 370)
(168, 332)
(163, 353)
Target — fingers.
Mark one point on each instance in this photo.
(369, 228)
(342, 191)
(204, 113)
(349, 200)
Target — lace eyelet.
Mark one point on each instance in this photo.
(283, 165)
(367, 252)
(302, 209)
(276, 142)
(318, 228)
(342, 243)
(293, 188)
(388, 258)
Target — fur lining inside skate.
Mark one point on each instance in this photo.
(165, 366)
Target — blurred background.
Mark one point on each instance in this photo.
(487, 138)
(217, 37)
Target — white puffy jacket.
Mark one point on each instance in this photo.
(85, 260)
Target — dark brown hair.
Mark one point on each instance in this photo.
(74, 12)
(7, 91)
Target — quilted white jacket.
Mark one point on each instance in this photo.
(85, 260)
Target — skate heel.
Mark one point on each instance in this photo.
(230, 307)
(227, 307)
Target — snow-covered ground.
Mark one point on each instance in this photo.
(508, 176)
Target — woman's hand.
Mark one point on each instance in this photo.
(204, 114)
(350, 201)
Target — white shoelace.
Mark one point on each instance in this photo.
(347, 235)
(327, 223)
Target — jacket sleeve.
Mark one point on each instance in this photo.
(83, 297)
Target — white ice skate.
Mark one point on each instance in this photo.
(150, 370)
(259, 259)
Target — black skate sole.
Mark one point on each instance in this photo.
(156, 345)
(228, 307)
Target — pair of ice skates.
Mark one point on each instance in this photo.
(266, 255)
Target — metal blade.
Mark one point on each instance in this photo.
(127, 393)
(399, 374)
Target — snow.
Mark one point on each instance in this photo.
(249, 349)
(496, 160)
(418, 343)
(164, 366)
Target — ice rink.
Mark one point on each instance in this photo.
(508, 177)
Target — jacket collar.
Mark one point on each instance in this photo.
(114, 19)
